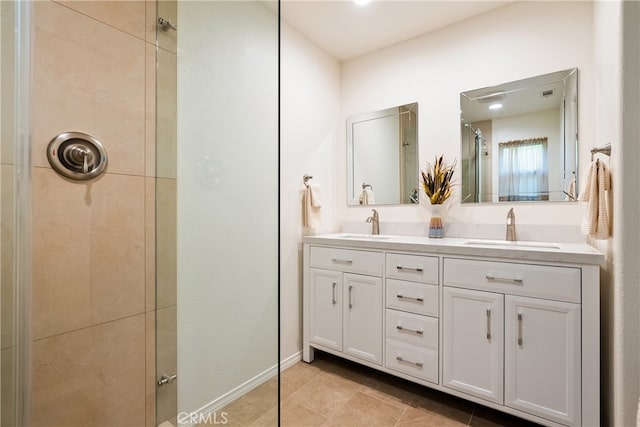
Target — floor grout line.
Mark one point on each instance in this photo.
(356, 382)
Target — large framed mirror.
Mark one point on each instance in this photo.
(382, 157)
(519, 140)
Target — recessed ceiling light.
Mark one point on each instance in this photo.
(495, 106)
(361, 2)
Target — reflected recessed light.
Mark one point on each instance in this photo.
(361, 2)
(495, 106)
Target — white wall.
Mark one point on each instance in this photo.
(524, 39)
(310, 110)
(227, 198)
(617, 85)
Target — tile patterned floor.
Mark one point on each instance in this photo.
(335, 392)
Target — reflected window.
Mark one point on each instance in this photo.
(523, 170)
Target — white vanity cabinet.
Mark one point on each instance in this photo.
(325, 310)
(473, 343)
(345, 309)
(486, 316)
(512, 328)
(542, 358)
(411, 333)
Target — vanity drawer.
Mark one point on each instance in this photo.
(415, 361)
(415, 268)
(540, 281)
(421, 331)
(348, 260)
(412, 297)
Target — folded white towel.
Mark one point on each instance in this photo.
(596, 220)
(311, 213)
(366, 198)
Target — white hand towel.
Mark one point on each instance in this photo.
(314, 190)
(571, 191)
(311, 213)
(596, 220)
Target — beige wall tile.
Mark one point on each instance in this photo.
(7, 227)
(7, 391)
(150, 110)
(166, 109)
(125, 15)
(90, 78)
(91, 377)
(8, 82)
(151, 21)
(166, 362)
(166, 244)
(150, 368)
(88, 251)
(150, 245)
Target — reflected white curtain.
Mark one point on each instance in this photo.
(523, 170)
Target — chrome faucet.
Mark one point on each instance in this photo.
(375, 222)
(511, 226)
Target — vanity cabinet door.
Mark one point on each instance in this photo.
(542, 358)
(473, 342)
(362, 302)
(325, 308)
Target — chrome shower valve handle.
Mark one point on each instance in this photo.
(76, 155)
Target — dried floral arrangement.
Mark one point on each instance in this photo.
(437, 181)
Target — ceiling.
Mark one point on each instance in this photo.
(346, 30)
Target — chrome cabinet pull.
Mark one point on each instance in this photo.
(490, 276)
(350, 302)
(419, 299)
(333, 297)
(342, 261)
(488, 324)
(400, 359)
(520, 329)
(415, 331)
(401, 268)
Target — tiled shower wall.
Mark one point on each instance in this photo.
(94, 297)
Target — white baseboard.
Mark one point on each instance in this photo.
(210, 408)
(290, 361)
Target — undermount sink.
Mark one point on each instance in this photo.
(365, 236)
(508, 244)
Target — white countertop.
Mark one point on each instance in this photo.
(577, 253)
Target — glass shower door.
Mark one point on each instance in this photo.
(216, 195)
